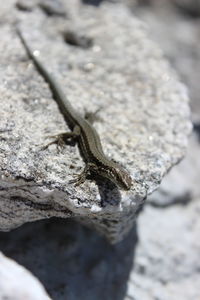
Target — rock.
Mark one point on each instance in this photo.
(25, 5)
(181, 45)
(166, 263)
(53, 8)
(181, 185)
(163, 265)
(72, 261)
(145, 117)
(18, 283)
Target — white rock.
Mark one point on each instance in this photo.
(18, 283)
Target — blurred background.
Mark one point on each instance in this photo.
(159, 260)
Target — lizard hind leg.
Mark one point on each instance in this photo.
(91, 117)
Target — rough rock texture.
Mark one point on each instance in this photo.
(168, 266)
(167, 262)
(72, 261)
(17, 283)
(159, 259)
(122, 72)
(181, 185)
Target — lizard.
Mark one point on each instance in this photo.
(82, 131)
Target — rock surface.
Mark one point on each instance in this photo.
(181, 45)
(181, 185)
(159, 259)
(72, 262)
(115, 73)
(17, 283)
(189, 7)
(167, 262)
(144, 266)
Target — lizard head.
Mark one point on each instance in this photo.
(118, 175)
(122, 178)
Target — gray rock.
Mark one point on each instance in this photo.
(53, 7)
(49, 7)
(25, 5)
(167, 262)
(181, 185)
(163, 265)
(181, 45)
(145, 117)
(17, 283)
(72, 261)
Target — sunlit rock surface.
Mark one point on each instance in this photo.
(110, 63)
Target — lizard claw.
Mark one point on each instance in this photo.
(80, 178)
(58, 140)
(77, 181)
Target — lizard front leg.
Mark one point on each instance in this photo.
(63, 138)
(81, 178)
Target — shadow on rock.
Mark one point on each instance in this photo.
(71, 260)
